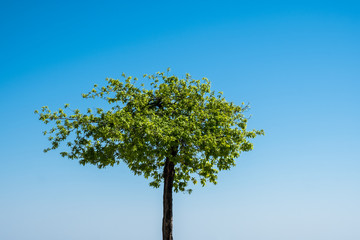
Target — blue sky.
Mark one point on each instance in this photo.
(295, 62)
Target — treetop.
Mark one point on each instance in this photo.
(181, 120)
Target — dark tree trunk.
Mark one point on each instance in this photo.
(167, 223)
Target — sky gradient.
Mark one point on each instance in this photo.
(297, 64)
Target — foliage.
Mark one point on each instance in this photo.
(179, 119)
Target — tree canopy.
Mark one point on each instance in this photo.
(161, 117)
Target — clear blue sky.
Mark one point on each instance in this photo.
(296, 63)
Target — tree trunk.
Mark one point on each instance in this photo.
(167, 223)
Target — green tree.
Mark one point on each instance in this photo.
(175, 131)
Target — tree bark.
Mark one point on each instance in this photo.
(167, 223)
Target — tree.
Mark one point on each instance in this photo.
(175, 131)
